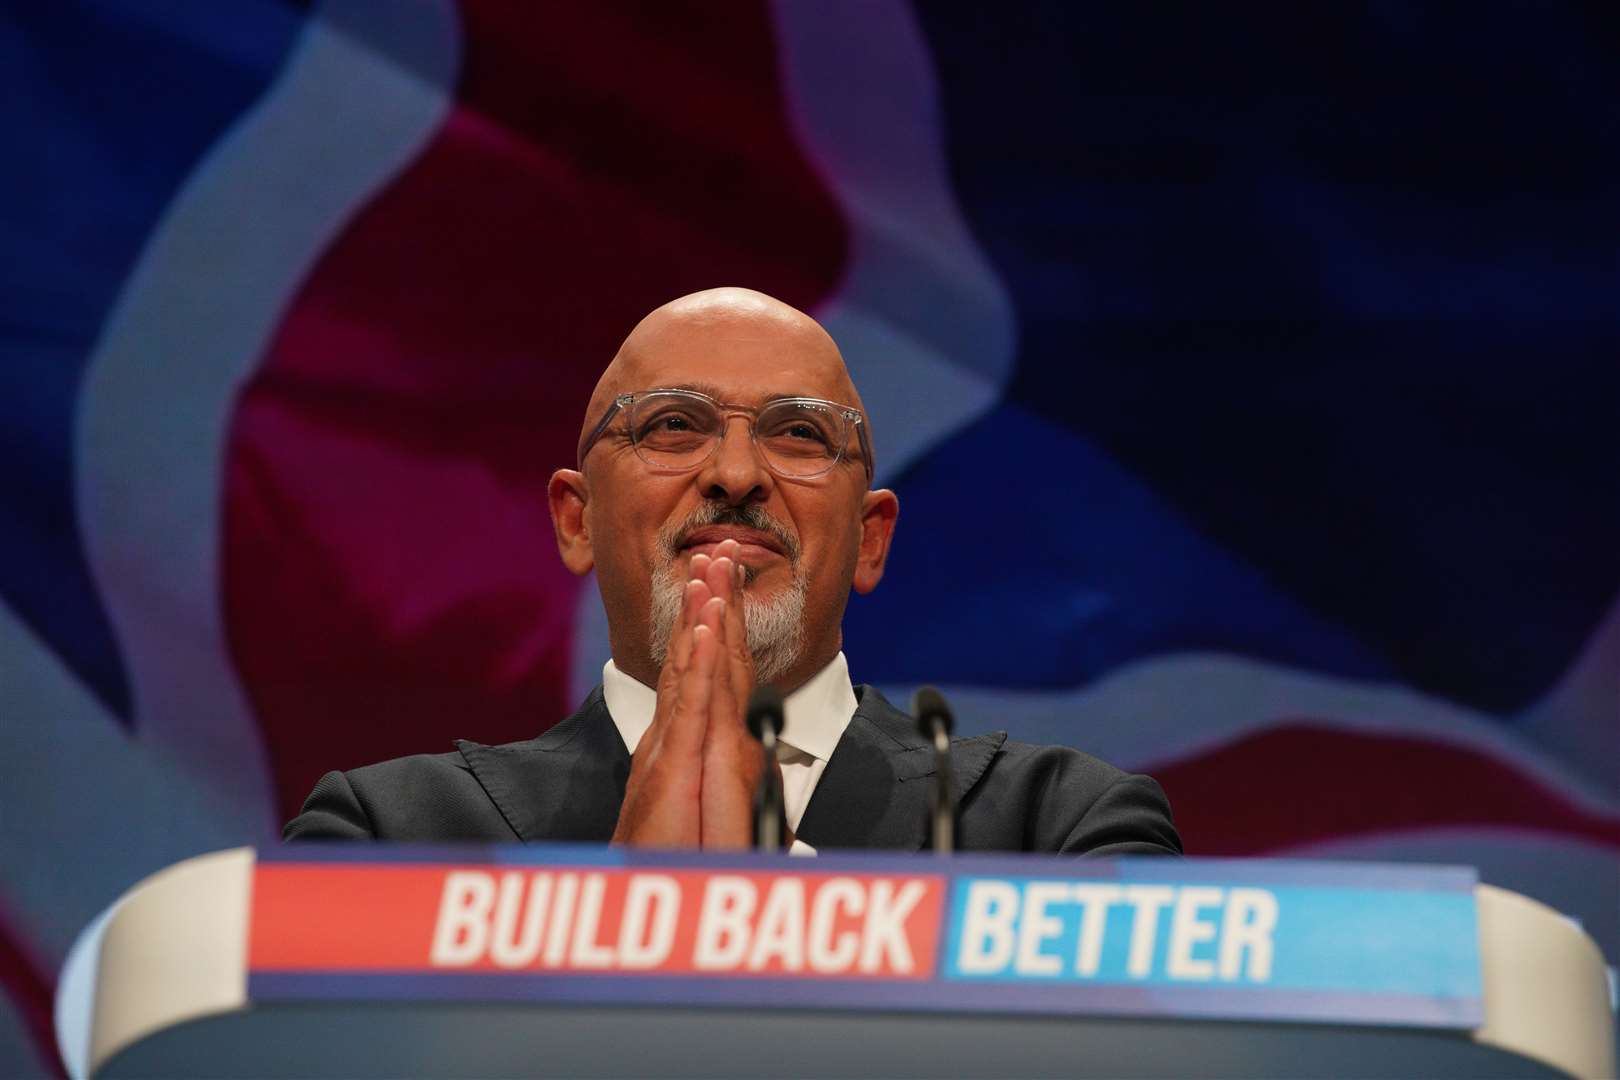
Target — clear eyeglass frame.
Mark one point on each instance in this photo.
(847, 416)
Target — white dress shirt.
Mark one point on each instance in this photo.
(815, 716)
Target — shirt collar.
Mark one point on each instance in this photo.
(816, 713)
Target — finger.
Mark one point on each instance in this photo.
(679, 650)
(677, 661)
(692, 597)
(739, 665)
(720, 576)
(689, 719)
(728, 549)
(732, 550)
(672, 723)
(723, 700)
(712, 613)
(699, 568)
(722, 581)
(713, 617)
(737, 657)
(737, 630)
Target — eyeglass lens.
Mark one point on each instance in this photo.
(797, 438)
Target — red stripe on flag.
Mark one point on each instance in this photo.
(1335, 784)
(33, 995)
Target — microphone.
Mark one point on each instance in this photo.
(934, 722)
(765, 724)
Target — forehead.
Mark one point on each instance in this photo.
(744, 358)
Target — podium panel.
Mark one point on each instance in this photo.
(358, 960)
(525, 1040)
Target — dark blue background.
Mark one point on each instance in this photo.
(1338, 288)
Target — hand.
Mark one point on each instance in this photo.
(732, 757)
(661, 805)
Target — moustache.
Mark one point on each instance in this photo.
(673, 539)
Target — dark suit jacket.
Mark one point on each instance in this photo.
(567, 785)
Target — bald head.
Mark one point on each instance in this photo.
(692, 341)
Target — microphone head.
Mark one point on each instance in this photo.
(764, 707)
(928, 705)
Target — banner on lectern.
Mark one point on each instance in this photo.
(1368, 943)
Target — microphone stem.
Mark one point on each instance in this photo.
(768, 821)
(944, 827)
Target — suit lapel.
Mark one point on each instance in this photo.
(566, 785)
(874, 791)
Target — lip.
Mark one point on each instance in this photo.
(752, 546)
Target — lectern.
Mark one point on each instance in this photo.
(378, 960)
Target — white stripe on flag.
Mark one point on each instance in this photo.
(356, 102)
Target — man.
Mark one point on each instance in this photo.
(723, 498)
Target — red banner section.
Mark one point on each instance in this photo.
(315, 917)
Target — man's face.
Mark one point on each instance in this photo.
(800, 537)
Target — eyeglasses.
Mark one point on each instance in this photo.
(678, 430)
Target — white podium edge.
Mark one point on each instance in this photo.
(172, 949)
(1546, 987)
(157, 957)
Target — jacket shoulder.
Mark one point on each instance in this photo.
(1018, 796)
(384, 777)
(1064, 800)
(425, 798)
(475, 793)
(1052, 761)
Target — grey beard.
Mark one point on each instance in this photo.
(775, 626)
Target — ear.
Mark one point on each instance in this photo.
(879, 510)
(567, 495)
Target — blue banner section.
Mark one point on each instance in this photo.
(1155, 934)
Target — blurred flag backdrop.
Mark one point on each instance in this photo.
(1248, 377)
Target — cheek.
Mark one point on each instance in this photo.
(831, 534)
(625, 525)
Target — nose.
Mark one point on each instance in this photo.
(736, 473)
